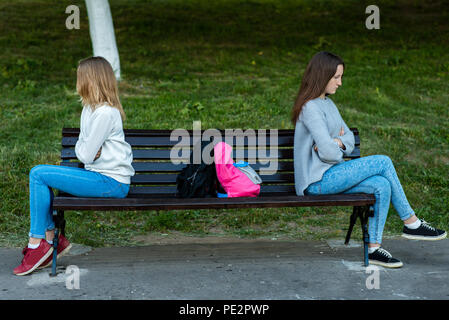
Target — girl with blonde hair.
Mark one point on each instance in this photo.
(101, 147)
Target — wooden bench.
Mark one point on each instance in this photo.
(154, 185)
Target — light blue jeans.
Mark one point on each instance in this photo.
(75, 181)
(372, 174)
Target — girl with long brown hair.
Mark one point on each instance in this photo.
(101, 148)
(321, 140)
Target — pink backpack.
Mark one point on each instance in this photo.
(234, 181)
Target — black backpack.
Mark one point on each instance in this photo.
(198, 180)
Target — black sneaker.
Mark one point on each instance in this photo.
(424, 232)
(382, 257)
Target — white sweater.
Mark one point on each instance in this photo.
(103, 128)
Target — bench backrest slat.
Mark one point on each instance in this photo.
(167, 167)
(285, 139)
(169, 191)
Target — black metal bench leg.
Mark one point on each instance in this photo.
(58, 218)
(61, 222)
(364, 214)
(352, 221)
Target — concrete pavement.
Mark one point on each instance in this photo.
(237, 269)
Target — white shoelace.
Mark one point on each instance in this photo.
(384, 252)
(428, 226)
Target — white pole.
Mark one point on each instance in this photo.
(102, 33)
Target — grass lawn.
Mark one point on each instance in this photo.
(230, 64)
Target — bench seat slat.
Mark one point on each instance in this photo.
(73, 203)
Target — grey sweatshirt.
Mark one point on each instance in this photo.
(318, 124)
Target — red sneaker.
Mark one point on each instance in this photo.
(63, 247)
(33, 258)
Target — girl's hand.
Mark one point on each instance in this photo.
(98, 154)
(340, 144)
(341, 133)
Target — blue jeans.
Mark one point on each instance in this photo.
(75, 181)
(374, 175)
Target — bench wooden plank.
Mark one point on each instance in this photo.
(165, 154)
(158, 167)
(145, 179)
(170, 191)
(74, 132)
(73, 203)
(161, 138)
(150, 141)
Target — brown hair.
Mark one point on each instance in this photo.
(319, 71)
(96, 84)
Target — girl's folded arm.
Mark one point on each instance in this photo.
(87, 147)
(328, 149)
(347, 139)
